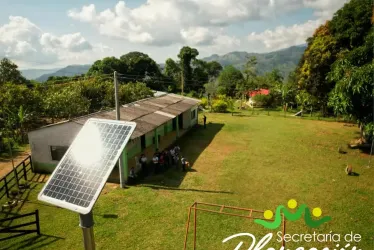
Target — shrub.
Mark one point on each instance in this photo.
(219, 106)
(193, 94)
(261, 100)
(204, 102)
(369, 132)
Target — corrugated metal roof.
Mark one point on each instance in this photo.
(143, 112)
(154, 118)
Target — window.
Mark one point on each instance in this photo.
(193, 114)
(57, 152)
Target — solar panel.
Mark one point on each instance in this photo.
(81, 174)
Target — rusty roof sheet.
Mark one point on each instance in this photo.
(154, 118)
(181, 106)
(143, 112)
(171, 111)
(147, 107)
(155, 104)
(142, 127)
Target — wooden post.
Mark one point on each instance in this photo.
(194, 232)
(24, 171)
(187, 227)
(30, 162)
(182, 82)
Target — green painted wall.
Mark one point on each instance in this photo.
(168, 127)
(135, 149)
(125, 163)
(40, 167)
(149, 139)
(161, 130)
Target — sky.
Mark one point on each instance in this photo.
(52, 34)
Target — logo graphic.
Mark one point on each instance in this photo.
(268, 214)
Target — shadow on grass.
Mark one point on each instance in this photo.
(110, 216)
(35, 242)
(186, 189)
(354, 174)
(14, 211)
(192, 144)
(364, 148)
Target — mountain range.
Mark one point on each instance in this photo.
(285, 60)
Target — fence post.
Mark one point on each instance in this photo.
(24, 170)
(6, 187)
(16, 175)
(30, 162)
(37, 221)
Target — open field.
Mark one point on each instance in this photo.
(255, 162)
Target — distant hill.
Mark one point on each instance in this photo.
(32, 74)
(71, 70)
(285, 60)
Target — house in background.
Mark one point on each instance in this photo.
(160, 120)
(252, 94)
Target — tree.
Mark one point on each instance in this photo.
(200, 75)
(173, 72)
(9, 73)
(353, 93)
(315, 65)
(140, 64)
(305, 100)
(352, 23)
(65, 102)
(19, 109)
(213, 69)
(186, 56)
(228, 80)
(352, 72)
(107, 66)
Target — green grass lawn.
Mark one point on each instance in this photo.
(256, 162)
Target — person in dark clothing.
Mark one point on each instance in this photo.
(143, 162)
(183, 161)
(132, 177)
(161, 162)
(155, 161)
(166, 156)
(204, 121)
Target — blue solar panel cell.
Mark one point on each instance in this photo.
(81, 174)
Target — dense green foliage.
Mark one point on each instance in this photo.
(9, 73)
(337, 68)
(24, 107)
(228, 80)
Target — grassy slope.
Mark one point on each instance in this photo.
(255, 162)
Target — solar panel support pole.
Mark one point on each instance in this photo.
(118, 117)
(86, 222)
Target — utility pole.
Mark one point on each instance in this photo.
(182, 81)
(120, 163)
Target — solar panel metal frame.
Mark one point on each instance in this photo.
(77, 208)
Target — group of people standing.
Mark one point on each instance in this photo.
(161, 161)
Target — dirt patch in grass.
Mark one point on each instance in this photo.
(6, 164)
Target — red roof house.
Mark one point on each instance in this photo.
(258, 92)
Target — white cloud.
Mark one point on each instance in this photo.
(23, 41)
(283, 37)
(196, 22)
(324, 9)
